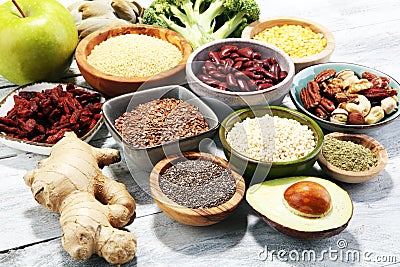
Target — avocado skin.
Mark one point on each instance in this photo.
(301, 235)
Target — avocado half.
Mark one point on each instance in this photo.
(302, 207)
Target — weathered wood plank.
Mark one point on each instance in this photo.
(366, 33)
(243, 239)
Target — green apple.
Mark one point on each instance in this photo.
(39, 46)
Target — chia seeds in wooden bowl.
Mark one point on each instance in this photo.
(197, 184)
(196, 188)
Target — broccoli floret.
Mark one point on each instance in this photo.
(202, 21)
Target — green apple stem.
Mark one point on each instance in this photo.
(19, 9)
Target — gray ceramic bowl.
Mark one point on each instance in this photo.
(146, 158)
(223, 102)
(304, 76)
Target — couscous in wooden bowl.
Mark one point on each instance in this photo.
(255, 28)
(113, 82)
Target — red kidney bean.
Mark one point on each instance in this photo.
(204, 70)
(213, 82)
(270, 75)
(264, 81)
(277, 69)
(214, 57)
(209, 65)
(234, 55)
(250, 74)
(243, 85)
(223, 69)
(246, 52)
(231, 80)
(255, 69)
(282, 75)
(248, 64)
(263, 86)
(272, 61)
(258, 76)
(226, 50)
(205, 77)
(222, 86)
(216, 74)
(244, 59)
(240, 75)
(238, 65)
(258, 65)
(256, 55)
(257, 82)
(229, 62)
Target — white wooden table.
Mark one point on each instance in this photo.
(367, 33)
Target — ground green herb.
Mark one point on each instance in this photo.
(348, 155)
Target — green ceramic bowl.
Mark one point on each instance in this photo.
(257, 171)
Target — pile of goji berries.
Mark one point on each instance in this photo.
(45, 116)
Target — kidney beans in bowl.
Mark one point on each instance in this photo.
(233, 73)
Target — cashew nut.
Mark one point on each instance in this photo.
(339, 115)
(376, 114)
(388, 105)
(363, 106)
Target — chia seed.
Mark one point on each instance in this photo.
(197, 184)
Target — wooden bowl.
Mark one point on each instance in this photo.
(189, 216)
(350, 176)
(111, 85)
(300, 63)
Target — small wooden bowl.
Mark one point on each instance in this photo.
(300, 63)
(111, 85)
(195, 217)
(350, 176)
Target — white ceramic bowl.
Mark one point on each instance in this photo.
(36, 147)
(224, 102)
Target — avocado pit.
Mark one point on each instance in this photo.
(308, 199)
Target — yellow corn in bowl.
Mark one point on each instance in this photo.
(305, 41)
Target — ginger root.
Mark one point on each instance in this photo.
(91, 205)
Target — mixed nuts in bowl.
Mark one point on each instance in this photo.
(346, 97)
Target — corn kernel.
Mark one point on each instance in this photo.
(295, 40)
